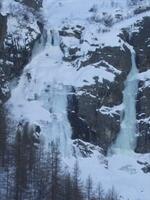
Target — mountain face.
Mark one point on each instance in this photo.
(79, 73)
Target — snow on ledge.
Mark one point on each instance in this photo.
(115, 110)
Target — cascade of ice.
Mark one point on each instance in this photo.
(126, 139)
(59, 127)
(41, 94)
(40, 44)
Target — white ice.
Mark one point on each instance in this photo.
(126, 139)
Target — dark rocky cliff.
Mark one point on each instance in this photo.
(102, 128)
(14, 54)
(141, 43)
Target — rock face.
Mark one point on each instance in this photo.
(96, 109)
(93, 103)
(15, 49)
(3, 25)
(16, 46)
(141, 43)
(4, 91)
(35, 4)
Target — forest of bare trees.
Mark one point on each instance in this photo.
(29, 173)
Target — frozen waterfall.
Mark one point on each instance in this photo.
(41, 95)
(126, 139)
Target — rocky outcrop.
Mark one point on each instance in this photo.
(4, 91)
(143, 118)
(88, 120)
(141, 42)
(115, 56)
(16, 43)
(106, 127)
(139, 39)
(3, 30)
(30, 131)
(35, 4)
(103, 127)
(145, 166)
(89, 105)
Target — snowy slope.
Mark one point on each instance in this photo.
(120, 170)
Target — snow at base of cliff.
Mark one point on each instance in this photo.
(122, 170)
